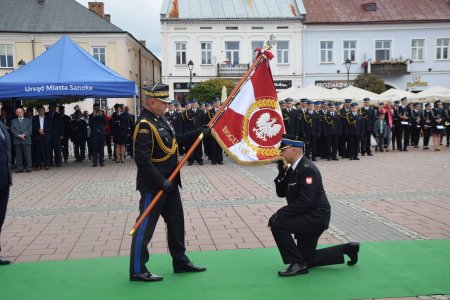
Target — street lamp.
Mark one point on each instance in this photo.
(190, 67)
(348, 64)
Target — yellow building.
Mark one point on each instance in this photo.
(29, 27)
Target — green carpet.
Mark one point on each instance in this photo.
(385, 269)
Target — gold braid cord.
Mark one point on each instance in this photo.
(260, 103)
(155, 134)
(326, 120)
(350, 122)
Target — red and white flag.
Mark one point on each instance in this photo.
(251, 128)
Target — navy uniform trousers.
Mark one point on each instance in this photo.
(171, 209)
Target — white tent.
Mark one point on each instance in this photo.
(433, 93)
(357, 94)
(394, 94)
(311, 92)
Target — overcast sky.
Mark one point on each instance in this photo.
(138, 17)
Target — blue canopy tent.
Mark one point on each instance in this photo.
(65, 71)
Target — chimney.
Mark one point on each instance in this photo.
(142, 42)
(371, 6)
(98, 8)
(108, 17)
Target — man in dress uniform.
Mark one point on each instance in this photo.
(67, 133)
(311, 130)
(289, 116)
(332, 130)
(426, 125)
(215, 150)
(355, 131)
(57, 135)
(343, 139)
(416, 121)
(322, 143)
(404, 115)
(301, 117)
(368, 114)
(97, 123)
(155, 146)
(194, 119)
(306, 215)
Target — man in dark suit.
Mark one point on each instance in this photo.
(5, 178)
(306, 215)
(404, 114)
(21, 129)
(57, 135)
(156, 158)
(42, 137)
(97, 123)
(195, 119)
(215, 149)
(368, 114)
(66, 130)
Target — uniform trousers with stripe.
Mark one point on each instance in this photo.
(171, 209)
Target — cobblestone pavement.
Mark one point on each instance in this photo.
(78, 211)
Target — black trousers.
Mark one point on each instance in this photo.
(415, 135)
(448, 135)
(402, 132)
(365, 143)
(353, 143)
(108, 145)
(394, 135)
(4, 196)
(79, 148)
(65, 148)
(332, 142)
(304, 251)
(98, 148)
(216, 151)
(426, 136)
(171, 209)
(41, 148)
(311, 147)
(343, 145)
(55, 151)
(197, 155)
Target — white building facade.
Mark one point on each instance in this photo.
(412, 56)
(220, 41)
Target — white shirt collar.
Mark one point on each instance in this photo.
(296, 163)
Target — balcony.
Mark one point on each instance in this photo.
(230, 70)
(389, 68)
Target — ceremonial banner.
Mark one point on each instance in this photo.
(250, 129)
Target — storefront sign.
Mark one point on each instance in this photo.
(329, 84)
(417, 82)
(282, 84)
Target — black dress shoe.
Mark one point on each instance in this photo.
(189, 267)
(220, 163)
(4, 261)
(370, 154)
(145, 277)
(335, 158)
(294, 269)
(351, 249)
(190, 163)
(201, 163)
(355, 158)
(19, 171)
(314, 159)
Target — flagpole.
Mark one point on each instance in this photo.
(211, 123)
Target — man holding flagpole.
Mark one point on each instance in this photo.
(155, 153)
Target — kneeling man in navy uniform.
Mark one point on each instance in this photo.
(306, 215)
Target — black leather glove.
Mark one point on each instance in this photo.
(282, 167)
(166, 185)
(272, 219)
(206, 130)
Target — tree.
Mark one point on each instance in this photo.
(370, 82)
(209, 90)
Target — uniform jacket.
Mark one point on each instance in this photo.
(56, 124)
(176, 120)
(47, 127)
(355, 124)
(151, 174)
(343, 114)
(311, 124)
(5, 158)
(79, 131)
(304, 193)
(290, 118)
(404, 111)
(23, 127)
(300, 121)
(97, 124)
(194, 120)
(369, 116)
(332, 124)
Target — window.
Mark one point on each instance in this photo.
(442, 48)
(417, 48)
(6, 56)
(232, 52)
(382, 50)
(326, 51)
(256, 44)
(350, 51)
(231, 28)
(282, 52)
(99, 53)
(180, 53)
(206, 53)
